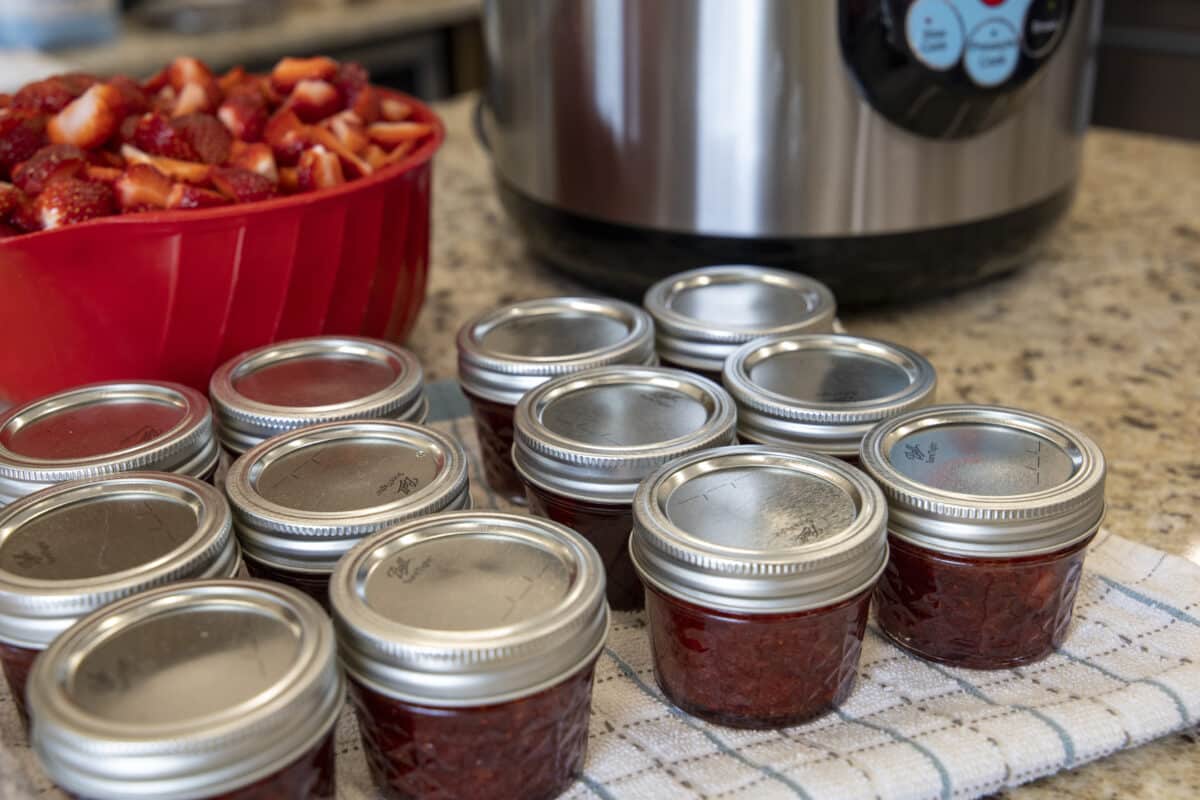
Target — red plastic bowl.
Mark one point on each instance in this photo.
(171, 295)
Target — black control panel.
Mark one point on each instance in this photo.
(949, 68)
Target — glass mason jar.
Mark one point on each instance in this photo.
(701, 316)
(302, 382)
(470, 641)
(204, 689)
(823, 392)
(584, 442)
(304, 498)
(506, 352)
(70, 549)
(991, 512)
(759, 563)
(102, 429)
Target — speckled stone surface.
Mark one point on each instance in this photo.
(1103, 331)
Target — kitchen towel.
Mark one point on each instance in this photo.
(1127, 674)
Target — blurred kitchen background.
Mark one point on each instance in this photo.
(1148, 73)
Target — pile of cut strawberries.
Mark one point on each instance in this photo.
(75, 147)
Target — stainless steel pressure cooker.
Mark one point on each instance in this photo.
(890, 148)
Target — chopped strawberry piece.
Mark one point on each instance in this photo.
(242, 185)
(314, 100)
(234, 78)
(26, 218)
(287, 136)
(185, 70)
(376, 156)
(390, 134)
(256, 158)
(11, 199)
(290, 71)
(319, 169)
(8, 231)
(355, 87)
(106, 158)
(289, 180)
(90, 119)
(354, 166)
(69, 200)
(134, 100)
(53, 94)
(184, 196)
(196, 98)
(127, 130)
(180, 170)
(97, 174)
(54, 161)
(245, 114)
(155, 83)
(206, 135)
(5, 100)
(155, 134)
(20, 137)
(393, 109)
(142, 187)
(164, 100)
(349, 129)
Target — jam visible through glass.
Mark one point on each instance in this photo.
(313, 584)
(531, 748)
(981, 613)
(755, 671)
(607, 528)
(494, 429)
(17, 663)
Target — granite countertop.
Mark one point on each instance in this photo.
(1104, 331)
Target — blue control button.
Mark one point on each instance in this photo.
(935, 33)
(993, 50)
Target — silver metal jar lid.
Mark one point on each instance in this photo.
(595, 435)
(507, 351)
(289, 385)
(823, 391)
(703, 315)
(469, 608)
(77, 546)
(758, 529)
(190, 690)
(986, 481)
(304, 498)
(102, 429)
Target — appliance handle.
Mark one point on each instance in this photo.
(477, 124)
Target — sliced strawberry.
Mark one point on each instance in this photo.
(354, 166)
(185, 70)
(314, 100)
(287, 136)
(235, 77)
(245, 114)
(107, 175)
(155, 134)
(184, 196)
(290, 71)
(20, 137)
(11, 198)
(105, 158)
(390, 134)
(319, 169)
(155, 83)
(207, 136)
(349, 129)
(66, 201)
(89, 120)
(26, 218)
(180, 170)
(289, 180)
(358, 95)
(242, 185)
(133, 99)
(196, 98)
(376, 156)
(54, 161)
(141, 186)
(257, 158)
(8, 231)
(393, 109)
(127, 130)
(53, 94)
(6, 99)
(164, 100)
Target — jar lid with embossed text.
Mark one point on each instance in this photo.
(596, 434)
(70, 549)
(469, 608)
(102, 429)
(757, 529)
(293, 384)
(302, 499)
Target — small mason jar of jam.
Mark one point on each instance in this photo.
(991, 511)
(823, 392)
(470, 640)
(759, 564)
(302, 382)
(701, 316)
(77, 546)
(213, 690)
(105, 428)
(506, 352)
(302, 499)
(584, 442)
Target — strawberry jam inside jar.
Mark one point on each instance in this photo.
(470, 641)
(105, 428)
(201, 690)
(584, 442)
(823, 392)
(759, 564)
(302, 382)
(506, 352)
(72, 548)
(701, 316)
(991, 512)
(303, 499)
